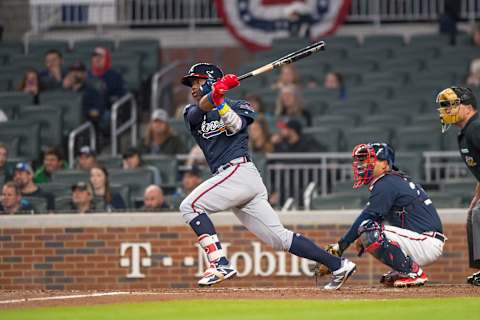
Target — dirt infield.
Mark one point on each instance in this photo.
(28, 299)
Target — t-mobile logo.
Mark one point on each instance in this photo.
(134, 261)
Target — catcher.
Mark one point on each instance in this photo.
(413, 236)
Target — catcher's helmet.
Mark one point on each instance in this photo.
(449, 101)
(364, 158)
(207, 71)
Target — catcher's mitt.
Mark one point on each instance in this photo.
(319, 270)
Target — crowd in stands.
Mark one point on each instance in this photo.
(280, 128)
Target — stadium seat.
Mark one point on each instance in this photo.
(167, 166)
(70, 177)
(346, 42)
(411, 53)
(427, 120)
(68, 101)
(128, 64)
(328, 138)
(337, 201)
(396, 79)
(14, 100)
(27, 132)
(334, 121)
(368, 53)
(149, 50)
(50, 120)
(124, 191)
(383, 41)
(449, 139)
(401, 65)
(383, 120)
(63, 204)
(110, 162)
(411, 163)
(88, 45)
(39, 204)
(355, 66)
(354, 136)
(57, 189)
(429, 40)
(136, 179)
(42, 46)
(443, 200)
(417, 139)
(352, 107)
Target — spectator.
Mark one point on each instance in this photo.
(159, 138)
(12, 201)
(101, 63)
(476, 35)
(335, 81)
(291, 139)
(153, 199)
(449, 18)
(260, 137)
(31, 84)
(191, 179)
(288, 78)
(82, 198)
(132, 159)
(196, 156)
(473, 79)
(87, 158)
(101, 189)
(6, 169)
(52, 76)
(290, 105)
(52, 162)
(94, 96)
(257, 104)
(24, 180)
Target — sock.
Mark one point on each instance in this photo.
(202, 225)
(305, 248)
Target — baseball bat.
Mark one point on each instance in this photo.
(287, 59)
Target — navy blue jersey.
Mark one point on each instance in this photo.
(219, 146)
(399, 202)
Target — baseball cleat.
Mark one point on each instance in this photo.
(216, 274)
(341, 275)
(411, 280)
(474, 279)
(388, 279)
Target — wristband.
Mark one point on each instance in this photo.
(222, 108)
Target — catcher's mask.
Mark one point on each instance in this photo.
(365, 157)
(207, 71)
(449, 101)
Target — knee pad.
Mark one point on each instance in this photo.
(371, 235)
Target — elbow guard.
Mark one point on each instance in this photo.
(231, 120)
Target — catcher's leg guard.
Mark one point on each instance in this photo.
(374, 241)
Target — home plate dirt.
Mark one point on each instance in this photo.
(22, 299)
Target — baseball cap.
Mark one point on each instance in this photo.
(385, 152)
(81, 185)
(78, 66)
(131, 152)
(160, 114)
(24, 167)
(99, 51)
(86, 150)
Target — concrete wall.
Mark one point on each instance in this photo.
(139, 250)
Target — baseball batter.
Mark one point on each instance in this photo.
(219, 126)
(458, 106)
(412, 237)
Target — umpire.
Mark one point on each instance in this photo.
(458, 106)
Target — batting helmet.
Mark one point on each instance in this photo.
(207, 71)
(449, 101)
(364, 157)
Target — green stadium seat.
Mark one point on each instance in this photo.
(50, 120)
(401, 65)
(124, 191)
(136, 179)
(449, 139)
(334, 121)
(396, 79)
(352, 107)
(434, 77)
(63, 204)
(412, 53)
(383, 120)
(338, 201)
(149, 50)
(411, 163)
(167, 166)
(426, 120)
(27, 132)
(88, 45)
(68, 101)
(383, 41)
(354, 66)
(12, 144)
(110, 162)
(429, 40)
(42, 46)
(346, 42)
(39, 204)
(57, 189)
(10, 101)
(418, 138)
(128, 64)
(327, 137)
(368, 53)
(70, 177)
(357, 135)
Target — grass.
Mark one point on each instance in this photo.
(404, 309)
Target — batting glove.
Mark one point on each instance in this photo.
(220, 87)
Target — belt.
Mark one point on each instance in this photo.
(436, 235)
(233, 162)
